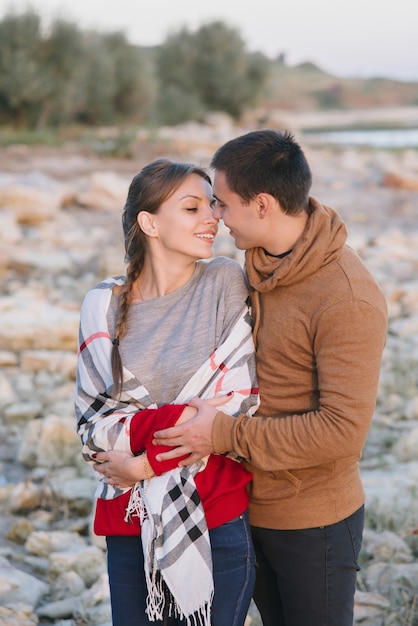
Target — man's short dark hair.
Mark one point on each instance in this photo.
(266, 161)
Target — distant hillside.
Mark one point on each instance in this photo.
(307, 87)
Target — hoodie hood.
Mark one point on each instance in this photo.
(320, 243)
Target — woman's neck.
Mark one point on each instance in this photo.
(158, 280)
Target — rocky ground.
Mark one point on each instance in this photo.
(59, 234)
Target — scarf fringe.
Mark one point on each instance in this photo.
(156, 597)
(136, 506)
(159, 594)
(156, 602)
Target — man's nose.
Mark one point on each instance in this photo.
(217, 213)
(210, 216)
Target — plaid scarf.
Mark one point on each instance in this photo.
(173, 527)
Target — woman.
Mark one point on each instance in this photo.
(177, 326)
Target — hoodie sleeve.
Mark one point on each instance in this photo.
(347, 349)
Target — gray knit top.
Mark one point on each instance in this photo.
(168, 338)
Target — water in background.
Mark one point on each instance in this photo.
(389, 138)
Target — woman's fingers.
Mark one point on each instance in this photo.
(220, 400)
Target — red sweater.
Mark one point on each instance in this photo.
(222, 485)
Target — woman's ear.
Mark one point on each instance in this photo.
(146, 223)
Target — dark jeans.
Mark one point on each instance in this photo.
(233, 572)
(308, 577)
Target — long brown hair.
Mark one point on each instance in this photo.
(156, 182)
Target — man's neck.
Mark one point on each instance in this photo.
(279, 256)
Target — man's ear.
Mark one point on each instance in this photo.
(264, 203)
(146, 223)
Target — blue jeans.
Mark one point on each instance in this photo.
(308, 577)
(233, 573)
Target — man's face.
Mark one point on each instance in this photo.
(241, 219)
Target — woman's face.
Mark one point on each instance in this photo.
(184, 224)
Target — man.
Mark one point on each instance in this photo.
(320, 324)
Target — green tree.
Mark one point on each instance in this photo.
(176, 105)
(210, 70)
(62, 74)
(221, 68)
(61, 57)
(116, 81)
(96, 82)
(175, 60)
(178, 99)
(23, 83)
(133, 78)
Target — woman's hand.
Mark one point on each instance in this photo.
(190, 411)
(122, 469)
(187, 414)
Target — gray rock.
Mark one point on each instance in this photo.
(16, 586)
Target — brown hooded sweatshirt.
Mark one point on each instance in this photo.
(320, 323)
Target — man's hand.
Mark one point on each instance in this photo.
(193, 437)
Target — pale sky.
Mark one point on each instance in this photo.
(357, 38)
